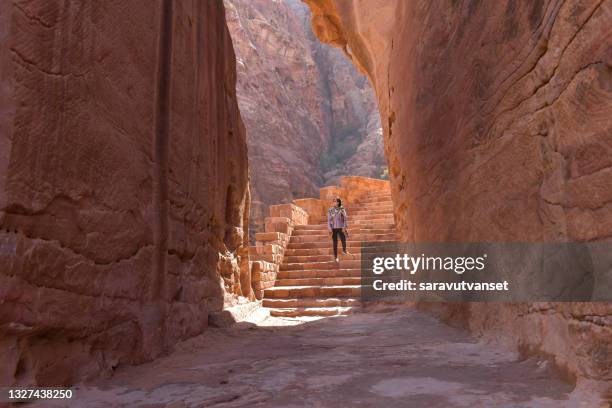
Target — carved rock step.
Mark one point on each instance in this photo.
(312, 291)
(320, 258)
(369, 220)
(343, 264)
(379, 207)
(354, 230)
(352, 237)
(364, 217)
(376, 200)
(353, 246)
(310, 282)
(319, 273)
(316, 251)
(379, 194)
(311, 302)
(372, 200)
(376, 207)
(361, 220)
(357, 248)
(300, 229)
(373, 211)
(318, 281)
(311, 311)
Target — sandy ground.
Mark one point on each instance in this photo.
(393, 357)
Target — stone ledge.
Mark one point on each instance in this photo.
(234, 314)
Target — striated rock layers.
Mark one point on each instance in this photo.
(123, 183)
(310, 116)
(496, 119)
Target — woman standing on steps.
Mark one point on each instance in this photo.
(337, 225)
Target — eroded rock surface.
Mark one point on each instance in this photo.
(390, 358)
(496, 119)
(310, 116)
(123, 183)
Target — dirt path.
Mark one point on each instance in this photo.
(391, 358)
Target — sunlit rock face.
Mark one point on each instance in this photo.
(496, 119)
(310, 116)
(123, 183)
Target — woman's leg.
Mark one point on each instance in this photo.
(343, 239)
(335, 239)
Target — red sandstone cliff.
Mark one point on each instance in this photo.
(496, 119)
(123, 183)
(310, 116)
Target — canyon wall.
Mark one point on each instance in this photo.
(310, 116)
(123, 183)
(496, 119)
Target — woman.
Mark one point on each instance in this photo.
(337, 225)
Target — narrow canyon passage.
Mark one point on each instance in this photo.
(144, 144)
(386, 356)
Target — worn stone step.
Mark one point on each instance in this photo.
(270, 236)
(309, 251)
(366, 281)
(352, 246)
(357, 229)
(372, 211)
(326, 250)
(386, 218)
(343, 264)
(335, 281)
(373, 200)
(363, 199)
(354, 231)
(279, 292)
(374, 197)
(320, 258)
(375, 204)
(386, 193)
(354, 214)
(373, 220)
(362, 215)
(389, 250)
(319, 273)
(375, 210)
(376, 200)
(310, 227)
(312, 302)
(310, 282)
(311, 311)
(365, 222)
(323, 244)
(368, 217)
(323, 226)
(352, 237)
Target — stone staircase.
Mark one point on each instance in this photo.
(309, 281)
